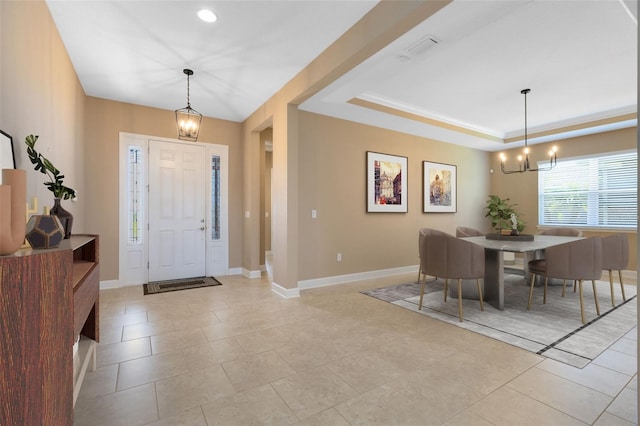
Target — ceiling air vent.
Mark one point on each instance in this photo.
(418, 48)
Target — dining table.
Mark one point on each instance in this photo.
(494, 259)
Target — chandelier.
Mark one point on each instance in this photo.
(188, 119)
(523, 160)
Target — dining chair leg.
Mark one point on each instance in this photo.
(446, 289)
(581, 301)
(574, 285)
(595, 296)
(613, 303)
(533, 280)
(624, 298)
(480, 294)
(460, 298)
(424, 282)
(564, 285)
(544, 293)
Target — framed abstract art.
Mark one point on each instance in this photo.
(386, 183)
(439, 187)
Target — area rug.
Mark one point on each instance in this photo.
(553, 330)
(175, 285)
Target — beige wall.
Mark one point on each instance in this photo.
(383, 24)
(522, 189)
(40, 94)
(104, 122)
(333, 182)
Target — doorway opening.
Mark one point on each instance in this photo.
(266, 166)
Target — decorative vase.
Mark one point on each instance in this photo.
(44, 231)
(65, 217)
(13, 197)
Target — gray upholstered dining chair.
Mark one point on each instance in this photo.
(448, 257)
(421, 233)
(562, 232)
(578, 260)
(463, 231)
(615, 257)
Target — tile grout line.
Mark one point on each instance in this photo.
(582, 327)
(337, 413)
(613, 399)
(555, 408)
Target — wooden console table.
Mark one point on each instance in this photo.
(47, 299)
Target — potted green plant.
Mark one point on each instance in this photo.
(47, 168)
(55, 184)
(499, 210)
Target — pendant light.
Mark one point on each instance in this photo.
(188, 119)
(523, 160)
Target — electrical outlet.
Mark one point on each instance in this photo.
(339, 257)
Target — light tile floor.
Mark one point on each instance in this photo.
(238, 354)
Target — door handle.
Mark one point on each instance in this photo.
(202, 228)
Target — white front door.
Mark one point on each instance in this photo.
(177, 216)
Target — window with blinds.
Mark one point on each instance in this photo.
(596, 192)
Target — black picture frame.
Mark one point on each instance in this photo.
(7, 155)
(444, 177)
(386, 183)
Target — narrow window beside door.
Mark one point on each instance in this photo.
(215, 198)
(134, 197)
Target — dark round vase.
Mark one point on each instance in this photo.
(66, 218)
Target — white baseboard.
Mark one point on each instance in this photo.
(109, 284)
(287, 293)
(251, 274)
(339, 279)
(234, 271)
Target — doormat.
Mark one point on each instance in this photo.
(182, 284)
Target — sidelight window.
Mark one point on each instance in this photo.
(215, 198)
(134, 194)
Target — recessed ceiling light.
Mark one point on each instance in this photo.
(207, 16)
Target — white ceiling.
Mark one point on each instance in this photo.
(135, 50)
(579, 58)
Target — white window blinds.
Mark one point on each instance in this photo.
(592, 192)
